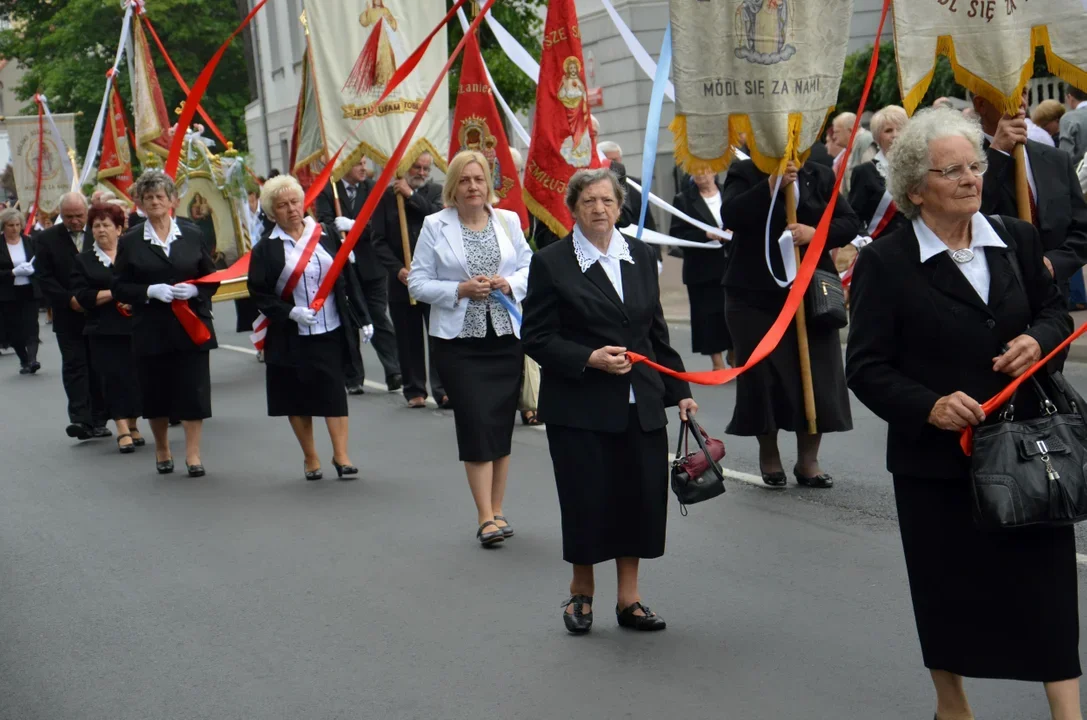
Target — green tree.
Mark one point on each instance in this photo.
(885, 89)
(68, 45)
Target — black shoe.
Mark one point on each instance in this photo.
(195, 470)
(774, 479)
(821, 482)
(24, 370)
(394, 382)
(345, 472)
(445, 403)
(125, 449)
(101, 432)
(356, 390)
(138, 441)
(507, 532)
(645, 623)
(80, 431)
(313, 474)
(35, 367)
(487, 539)
(579, 622)
(164, 467)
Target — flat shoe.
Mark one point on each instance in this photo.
(138, 440)
(487, 539)
(822, 481)
(79, 431)
(125, 449)
(579, 622)
(644, 623)
(774, 479)
(506, 531)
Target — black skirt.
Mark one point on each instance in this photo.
(482, 378)
(19, 319)
(115, 365)
(316, 386)
(709, 328)
(176, 385)
(1000, 605)
(613, 491)
(769, 397)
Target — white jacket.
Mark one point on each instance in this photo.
(439, 266)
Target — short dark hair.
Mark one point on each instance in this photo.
(106, 211)
(1078, 94)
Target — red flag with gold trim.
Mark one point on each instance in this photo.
(562, 138)
(152, 121)
(115, 168)
(478, 126)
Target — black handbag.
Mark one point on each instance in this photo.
(824, 302)
(696, 476)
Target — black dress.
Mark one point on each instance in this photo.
(19, 307)
(703, 271)
(769, 397)
(987, 604)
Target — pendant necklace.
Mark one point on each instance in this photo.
(961, 256)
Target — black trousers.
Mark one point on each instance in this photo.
(376, 293)
(20, 321)
(81, 383)
(412, 323)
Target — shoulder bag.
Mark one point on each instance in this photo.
(824, 302)
(697, 476)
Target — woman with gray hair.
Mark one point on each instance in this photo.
(20, 295)
(592, 297)
(944, 312)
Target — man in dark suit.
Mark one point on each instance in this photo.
(57, 250)
(632, 204)
(412, 322)
(353, 190)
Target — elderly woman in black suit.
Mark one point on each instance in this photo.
(20, 296)
(154, 265)
(933, 306)
(109, 324)
(592, 297)
(305, 350)
(868, 193)
(769, 397)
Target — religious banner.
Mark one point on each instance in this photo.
(563, 141)
(24, 141)
(308, 147)
(478, 126)
(149, 109)
(356, 46)
(115, 166)
(767, 68)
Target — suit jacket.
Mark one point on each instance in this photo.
(281, 344)
(745, 205)
(632, 206)
(820, 154)
(139, 264)
(1073, 133)
(53, 268)
(7, 277)
(89, 276)
(699, 266)
(1062, 212)
(920, 332)
(368, 264)
(385, 229)
(569, 314)
(866, 190)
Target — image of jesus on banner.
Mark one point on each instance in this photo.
(377, 61)
(577, 148)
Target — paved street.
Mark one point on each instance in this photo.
(251, 594)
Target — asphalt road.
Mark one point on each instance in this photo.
(252, 594)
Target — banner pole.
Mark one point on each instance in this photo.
(404, 235)
(802, 328)
(1022, 188)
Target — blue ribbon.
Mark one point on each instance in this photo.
(508, 304)
(653, 123)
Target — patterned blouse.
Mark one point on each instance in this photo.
(481, 251)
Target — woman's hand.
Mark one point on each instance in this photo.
(1022, 352)
(802, 234)
(502, 285)
(478, 288)
(610, 359)
(103, 297)
(955, 412)
(687, 408)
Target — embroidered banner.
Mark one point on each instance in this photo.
(26, 135)
(115, 167)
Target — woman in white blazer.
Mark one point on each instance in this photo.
(468, 255)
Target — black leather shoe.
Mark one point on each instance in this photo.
(125, 449)
(164, 467)
(313, 474)
(487, 539)
(394, 382)
(195, 470)
(445, 403)
(345, 472)
(34, 367)
(80, 431)
(101, 432)
(774, 479)
(823, 481)
(507, 532)
(649, 622)
(24, 370)
(579, 622)
(356, 390)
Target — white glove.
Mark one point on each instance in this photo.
(304, 316)
(367, 333)
(351, 257)
(23, 269)
(184, 291)
(161, 292)
(344, 225)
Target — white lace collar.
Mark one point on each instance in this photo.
(881, 164)
(152, 237)
(587, 253)
(101, 255)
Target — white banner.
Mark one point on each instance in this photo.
(352, 65)
(23, 139)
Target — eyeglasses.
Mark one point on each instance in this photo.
(955, 172)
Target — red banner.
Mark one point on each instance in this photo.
(150, 117)
(562, 137)
(115, 167)
(478, 126)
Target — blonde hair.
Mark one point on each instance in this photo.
(275, 187)
(890, 115)
(1047, 111)
(456, 168)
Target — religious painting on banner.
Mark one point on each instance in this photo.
(355, 47)
(115, 165)
(150, 117)
(478, 126)
(562, 137)
(24, 141)
(767, 68)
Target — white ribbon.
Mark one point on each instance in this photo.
(518, 128)
(89, 163)
(785, 244)
(515, 51)
(653, 237)
(653, 199)
(69, 171)
(643, 58)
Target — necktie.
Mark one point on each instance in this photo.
(350, 194)
(77, 239)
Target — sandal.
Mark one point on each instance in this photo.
(126, 449)
(578, 622)
(529, 417)
(487, 539)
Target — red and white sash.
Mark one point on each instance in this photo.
(885, 212)
(294, 265)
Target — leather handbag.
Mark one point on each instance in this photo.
(824, 302)
(697, 476)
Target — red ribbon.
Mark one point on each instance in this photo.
(41, 153)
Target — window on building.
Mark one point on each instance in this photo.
(275, 46)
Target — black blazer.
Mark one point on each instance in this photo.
(820, 155)
(89, 276)
(866, 190)
(56, 258)
(385, 231)
(700, 267)
(367, 265)
(281, 344)
(746, 203)
(919, 332)
(1062, 211)
(7, 277)
(139, 264)
(568, 314)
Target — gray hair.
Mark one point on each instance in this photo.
(9, 214)
(864, 149)
(607, 146)
(584, 178)
(151, 181)
(70, 197)
(909, 163)
(279, 185)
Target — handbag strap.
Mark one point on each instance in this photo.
(680, 451)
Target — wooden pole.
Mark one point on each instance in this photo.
(1022, 187)
(802, 327)
(404, 235)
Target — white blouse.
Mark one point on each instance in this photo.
(320, 262)
(18, 257)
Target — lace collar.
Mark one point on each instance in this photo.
(152, 237)
(587, 253)
(101, 255)
(881, 164)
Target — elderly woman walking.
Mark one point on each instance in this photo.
(934, 304)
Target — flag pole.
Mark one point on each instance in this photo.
(404, 234)
(1022, 188)
(802, 327)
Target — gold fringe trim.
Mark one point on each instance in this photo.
(544, 216)
(740, 123)
(412, 154)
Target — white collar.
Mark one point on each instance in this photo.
(101, 255)
(150, 236)
(587, 253)
(307, 230)
(981, 235)
(881, 164)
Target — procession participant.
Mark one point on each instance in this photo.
(20, 295)
(304, 349)
(864, 149)
(1072, 130)
(245, 310)
(154, 263)
(411, 322)
(465, 253)
(57, 250)
(353, 191)
(769, 397)
(108, 324)
(592, 296)
(842, 130)
(1047, 117)
(933, 305)
(868, 195)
